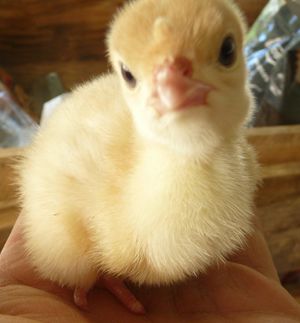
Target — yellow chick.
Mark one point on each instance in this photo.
(144, 173)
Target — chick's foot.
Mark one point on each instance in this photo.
(119, 289)
(115, 286)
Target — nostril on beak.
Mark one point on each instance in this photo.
(184, 65)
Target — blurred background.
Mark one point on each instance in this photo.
(48, 47)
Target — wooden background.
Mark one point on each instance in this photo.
(66, 36)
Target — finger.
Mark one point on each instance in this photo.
(14, 264)
(256, 254)
(15, 267)
(11, 254)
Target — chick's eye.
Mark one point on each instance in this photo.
(127, 76)
(227, 54)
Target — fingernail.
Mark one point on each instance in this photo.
(138, 308)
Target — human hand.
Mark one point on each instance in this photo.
(244, 289)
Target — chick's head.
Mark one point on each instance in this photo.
(182, 71)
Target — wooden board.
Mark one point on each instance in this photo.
(7, 189)
(281, 223)
(66, 36)
(276, 144)
(278, 198)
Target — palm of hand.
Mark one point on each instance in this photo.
(245, 289)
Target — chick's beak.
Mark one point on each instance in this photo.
(174, 87)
